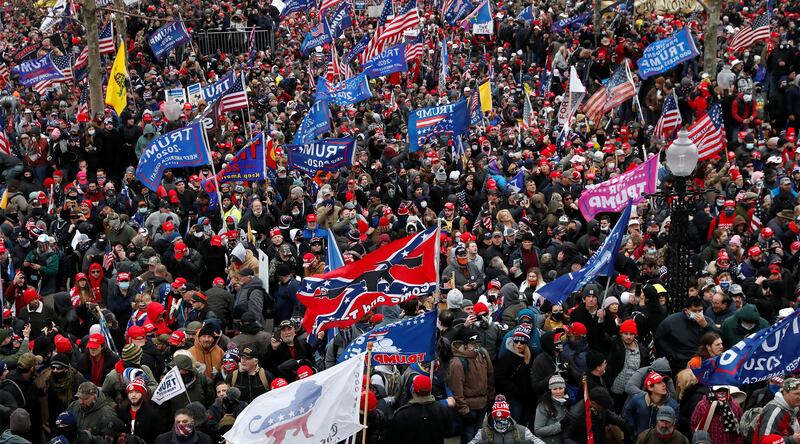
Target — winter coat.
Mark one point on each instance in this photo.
(302, 350)
(252, 297)
(716, 429)
(170, 438)
(548, 427)
(640, 412)
(149, 420)
(471, 378)
(286, 300)
(198, 388)
(779, 419)
(251, 386)
(650, 437)
(516, 434)
(95, 416)
(636, 383)
(9, 437)
(513, 375)
(512, 304)
(114, 387)
(465, 275)
(732, 330)
(574, 424)
(211, 358)
(616, 360)
(422, 420)
(678, 337)
(220, 301)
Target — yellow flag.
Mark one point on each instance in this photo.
(485, 92)
(4, 200)
(117, 93)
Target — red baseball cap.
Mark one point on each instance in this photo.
(219, 281)
(95, 341)
(177, 337)
(652, 379)
(304, 372)
(422, 385)
(137, 333)
(311, 218)
(167, 226)
(216, 241)
(623, 280)
(577, 328)
(755, 250)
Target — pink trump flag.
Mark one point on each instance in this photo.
(614, 194)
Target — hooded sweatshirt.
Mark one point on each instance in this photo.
(732, 330)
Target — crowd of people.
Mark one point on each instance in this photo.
(107, 285)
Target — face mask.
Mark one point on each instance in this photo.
(651, 251)
(461, 260)
(729, 211)
(557, 316)
(749, 146)
(502, 425)
(231, 227)
(184, 429)
(748, 325)
(725, 285)
(612, 165)
(747, 97)
(390, 192)
(143, 210)
(605, 229)
(198, 235)
(295, 212)
(124, 285)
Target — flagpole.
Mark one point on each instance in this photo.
(438, 294)
(366, 392)
(214, 173)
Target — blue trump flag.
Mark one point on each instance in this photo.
(316, 123)
(475, 111)
(772, 351)
(665, 54)
(334, 257)
(184, 147)
(517, 183)
(168, 37)
(600, 264)
(216, 90)
(321, 155)
(357, 49)
(340, 20)
(407, 341)
(573, 22)
(348, 92)
(248, 164)
(450, 119)
(318, 36)
(389, 61)
(526, 14)
(293, 6)
(457, 9)
(31, 72)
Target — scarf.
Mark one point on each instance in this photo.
(729, 421)
(95, 283)
(184, 430)
(63, 387)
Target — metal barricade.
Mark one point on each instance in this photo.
(234, 41)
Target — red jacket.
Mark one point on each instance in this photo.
(741, 110)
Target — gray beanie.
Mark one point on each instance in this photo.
(20, 421)
(557, 381)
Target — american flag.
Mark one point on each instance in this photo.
(235, 98)
(326, 4)
(617, 91)
(106, 333)
(252, 52)
(670, 118)
(80, 69)
(5, 146)
(336, 68)
(5, 73)
(414, 49)
(708, 133)
(43, 87)
(108, 258)
(755, 222)
(746, 36)
(83, 105)
(390, 30)
(106, 37)
(64, 64)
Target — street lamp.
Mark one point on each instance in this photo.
(682, 158)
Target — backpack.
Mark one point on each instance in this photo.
(262, 376)
(749, 422)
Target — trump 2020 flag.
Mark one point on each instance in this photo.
(340, 20)
(31, 72)
(457, 10)
(615, 193)
(316, 123)
(665, 54)
(247, 164)
(318, 36)
(348, 92)
(389, 61)
(170, 386)
(183, 147)
(321, 408)
(773, 351)
(600, 264)
(321, 155)
(450, 119)
(407, 341)
(404, 269)
(168, 37)
(293, 6)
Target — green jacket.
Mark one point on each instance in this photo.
(95, 416)
(11, 360)
(732, 330)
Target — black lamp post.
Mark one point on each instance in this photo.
(682, 158)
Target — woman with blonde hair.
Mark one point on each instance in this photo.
(504, 219)
(689, 393)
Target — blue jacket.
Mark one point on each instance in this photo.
(536, 342)
(640, 413)
(286, 300)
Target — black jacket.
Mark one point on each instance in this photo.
(512, 377)
(421, 422)
(574, 425)
(277, 357)
(170, 438)
(149, 421)
(616, 360)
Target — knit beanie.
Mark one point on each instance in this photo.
(132, 353)
(557, 381)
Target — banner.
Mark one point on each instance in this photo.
(389, 61)
(600, 264)
(31, 72)
(348, 92)
(247, 164)
(167, 38)
(357, 49)
(665, 54)
(404, 269)
(171, 385)
(407, 341)
(340, 20)
(318, 36)
(770, 352)
(215, 91)
(181, 148)
(324, 407)
(614, 194)
(647, 7)
(574, 97)
(315, 123)
(322, 155)
(194, 93)
(573, 22)
(457, 10)
(176, 94)
(451, 119)
(293, 6)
